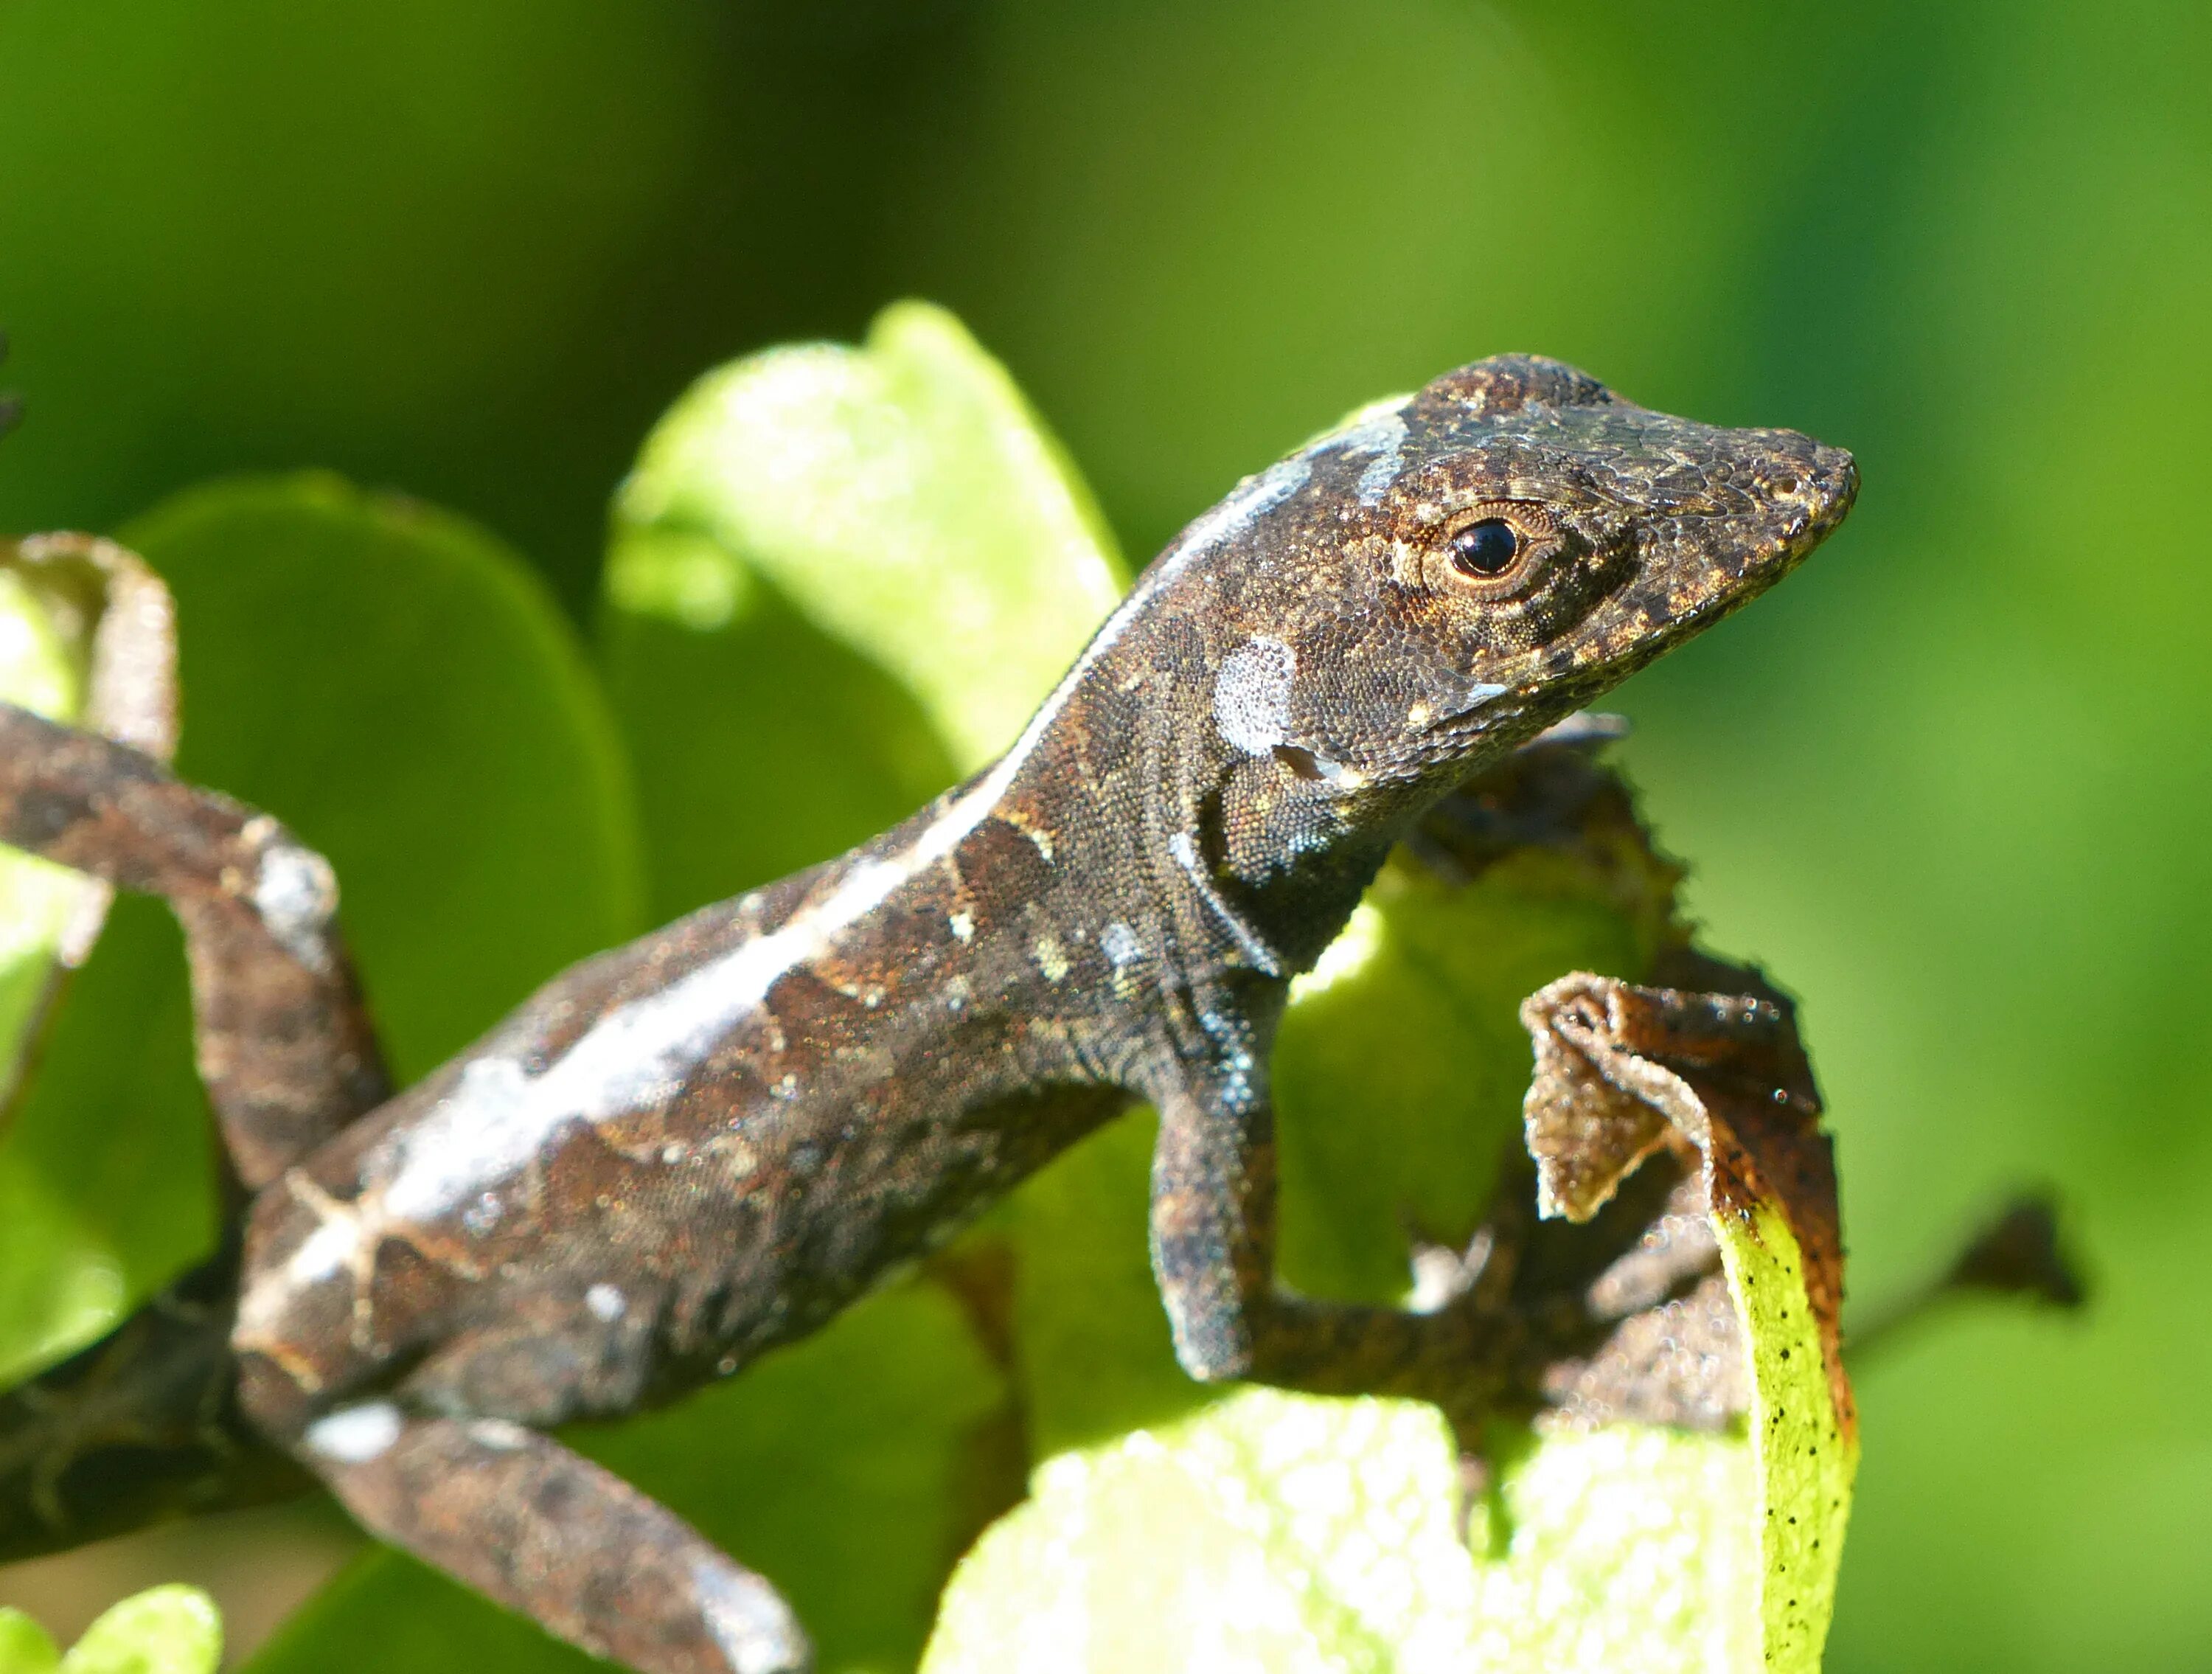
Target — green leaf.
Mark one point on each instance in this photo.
(1311, 1536)
(1296, 1534)
(1402, 1062)
(1398, 1073)
(85, 637)
(1092, 1355)
(1806, 1456)
(841, 576)
(164, 1630)
(813, 542)
(1269, 1531)
(1630, 1547)
(75, 1214)
(107, 1175)
(1621, 1069)
(1637, 1547)
(41, 669)
(1290, 1533)
(398, 688)
(25, 1646)
(392, 684)
(836, 1466)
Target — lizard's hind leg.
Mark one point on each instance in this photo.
(544, 1531)
(284, 1043)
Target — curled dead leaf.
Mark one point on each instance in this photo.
(1720, 1079)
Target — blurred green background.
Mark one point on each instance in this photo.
(1951, 782)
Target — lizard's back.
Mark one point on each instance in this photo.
(688, 1149)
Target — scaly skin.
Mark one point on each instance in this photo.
(688, 1150)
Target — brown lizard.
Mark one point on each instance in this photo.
(687, 1151)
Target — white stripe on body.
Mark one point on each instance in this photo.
(1379, 429)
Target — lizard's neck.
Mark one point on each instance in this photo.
(1151, 814)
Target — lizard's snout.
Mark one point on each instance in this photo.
(1809, 487)
(1835, 482)
(1773, 496)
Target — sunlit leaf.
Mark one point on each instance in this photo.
(1806, 1456)
(85, 637)
(25, 1646)
(1268, 1532)
(164, 1630)
(841, 576)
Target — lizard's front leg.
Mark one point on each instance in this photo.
(1213, 1255)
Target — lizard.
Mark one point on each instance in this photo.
(682, 1153)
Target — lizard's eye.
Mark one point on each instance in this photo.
(1485, 549)
(1494, 553)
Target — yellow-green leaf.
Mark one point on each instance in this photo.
(25, 1646)
(1300, 1536)
(1722, 1078)
(163, 1630)
(1268, 1532)
(841, 576)
(903, 495)
(1806, 1456)
(41, 669)
(85, 637)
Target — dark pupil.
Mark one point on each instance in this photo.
(1486, 548)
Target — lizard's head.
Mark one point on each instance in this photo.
(1452, 572)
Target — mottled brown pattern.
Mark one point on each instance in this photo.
(708, 1142)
